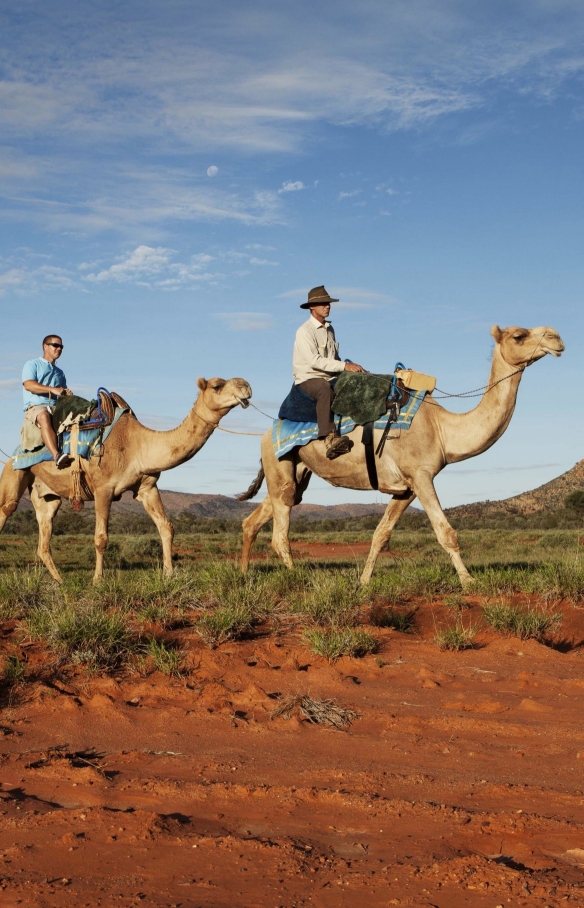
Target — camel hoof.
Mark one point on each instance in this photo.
(467, 583)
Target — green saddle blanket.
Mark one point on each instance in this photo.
(71, 410)
(361, 396)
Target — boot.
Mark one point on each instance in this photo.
(336, 445)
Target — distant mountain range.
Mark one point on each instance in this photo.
(230, 509)
(548, 497)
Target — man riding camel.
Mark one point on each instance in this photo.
(43, 383)
(316, 362)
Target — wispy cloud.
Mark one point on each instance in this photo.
(246, 321)
(289, 186)
(348, 194)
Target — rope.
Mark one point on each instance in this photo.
(261, 411)
(233, 432)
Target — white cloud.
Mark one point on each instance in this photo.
(349, 194)
(289, 186)
(246, 321)
(24, 280)
(149, 266)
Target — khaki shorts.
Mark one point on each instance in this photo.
(33, 412)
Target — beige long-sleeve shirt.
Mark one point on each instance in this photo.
(316, 352)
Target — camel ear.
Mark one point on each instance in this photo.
(496, 333)
(202, 384)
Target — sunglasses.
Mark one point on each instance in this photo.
(59, 346)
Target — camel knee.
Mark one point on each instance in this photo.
(101, 542)
(9, 507)
(448, 538)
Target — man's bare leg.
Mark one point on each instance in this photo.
(45, 424)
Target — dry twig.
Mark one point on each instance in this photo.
(319, 712)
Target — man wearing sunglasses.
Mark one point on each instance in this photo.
(43, 383)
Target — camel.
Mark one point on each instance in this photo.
(409, 462)
(133, 459)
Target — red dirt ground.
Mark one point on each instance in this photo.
(460, 784)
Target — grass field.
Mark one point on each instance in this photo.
(520, 577)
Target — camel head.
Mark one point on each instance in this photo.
(220, 395)
(523, 346)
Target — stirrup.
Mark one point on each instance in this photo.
(336, 446)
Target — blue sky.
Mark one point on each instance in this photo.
(174, 177)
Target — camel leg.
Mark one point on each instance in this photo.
(103, 503)
(251, 527)
(13, 484)
(445, 534)
(45, 510)
(149, 495)
(393, 512)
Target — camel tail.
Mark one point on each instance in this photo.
(254, 487)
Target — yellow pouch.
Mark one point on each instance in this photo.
(416, 381)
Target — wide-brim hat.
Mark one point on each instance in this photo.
(316, 297)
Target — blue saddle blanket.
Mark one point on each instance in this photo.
(90, 440)
(287, 435)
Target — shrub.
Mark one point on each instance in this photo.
(334, 642)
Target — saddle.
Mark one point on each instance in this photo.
(87, 414)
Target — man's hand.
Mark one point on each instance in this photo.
(354, 367)
(66, 392)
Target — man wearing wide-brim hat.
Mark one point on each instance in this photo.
(316, 362)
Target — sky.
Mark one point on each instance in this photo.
(175, 176)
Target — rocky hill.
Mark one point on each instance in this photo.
(230, 509)
(548, 497)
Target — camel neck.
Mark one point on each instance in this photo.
(468, 434)
(166, 450)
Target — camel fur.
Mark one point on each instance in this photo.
(409, 463)
(133, 459)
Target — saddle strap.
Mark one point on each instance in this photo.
(367, 439)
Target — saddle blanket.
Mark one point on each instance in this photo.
(90, 440)
(287, 435)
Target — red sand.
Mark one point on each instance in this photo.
(459, 785)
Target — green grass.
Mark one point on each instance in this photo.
(527, 624)
(456, 602)
(402, 621)
(14, 670)
(87, 634)
(226, 622)
(167, 660)
(455, 637)
(334, 642)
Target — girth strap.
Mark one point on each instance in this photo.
(367, 439)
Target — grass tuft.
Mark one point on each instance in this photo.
(404, 622)
(13, 670)
(87, 634)
(527, 624)
(226, 622)
(455, 636)
(166, 659)
(334, 642)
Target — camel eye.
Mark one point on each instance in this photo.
(519, 336)
(218, 386)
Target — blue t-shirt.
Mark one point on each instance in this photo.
(45, 373)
